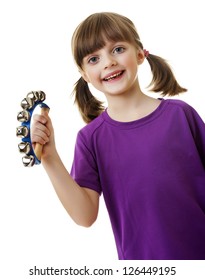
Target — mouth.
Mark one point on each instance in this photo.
(113, 76)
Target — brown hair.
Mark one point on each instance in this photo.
(90, 36)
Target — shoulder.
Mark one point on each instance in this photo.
(90, 129)
(177, 103)
(180, 105)
(185, 110)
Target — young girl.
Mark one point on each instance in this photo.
(145, 155)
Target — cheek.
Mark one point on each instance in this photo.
(134, 62)
(130, 60)
(93, 76)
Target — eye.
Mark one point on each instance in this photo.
(119, 50)
(93, 60)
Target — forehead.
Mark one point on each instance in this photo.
(95, 36)
(98, 41)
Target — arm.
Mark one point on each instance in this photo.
(81, 203)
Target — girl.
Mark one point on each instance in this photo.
(146, 155)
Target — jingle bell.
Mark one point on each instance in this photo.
(27, 103)
(22, 131)
(28, 160)
(24, 147)
(36, 96)
(23, 116)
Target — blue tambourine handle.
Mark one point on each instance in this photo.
(36, 152)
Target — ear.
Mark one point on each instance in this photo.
(84, 76)
(140, 56)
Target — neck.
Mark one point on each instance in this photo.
(131, 107)
(125, 107)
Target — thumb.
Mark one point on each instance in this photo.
(45, 110)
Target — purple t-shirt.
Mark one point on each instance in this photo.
(152, 175)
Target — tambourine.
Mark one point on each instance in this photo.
(28, 104)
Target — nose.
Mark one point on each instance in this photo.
(110, 61)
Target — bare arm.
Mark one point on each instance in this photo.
(81, 203)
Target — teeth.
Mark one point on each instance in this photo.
(113, 76)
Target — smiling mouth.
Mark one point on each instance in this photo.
(112, 77)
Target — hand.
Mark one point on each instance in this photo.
(42, 132)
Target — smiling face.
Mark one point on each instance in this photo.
(107, 50)
(113, 68)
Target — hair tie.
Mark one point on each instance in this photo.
(146, 53)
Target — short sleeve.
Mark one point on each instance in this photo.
(197, 127)
(84, 168)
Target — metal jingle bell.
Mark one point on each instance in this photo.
(27, 103)
(33, 95)
(36, 96)
(41, 95)
(23, 116)
(22, 131)
(28, 160)
(24, 147)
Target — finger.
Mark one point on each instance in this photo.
(40, 118)
(40, 137)
(38, 127)
(40, 133)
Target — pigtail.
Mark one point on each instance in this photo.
(88, 105)
(163, 79)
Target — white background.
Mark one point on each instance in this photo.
(35, 54)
